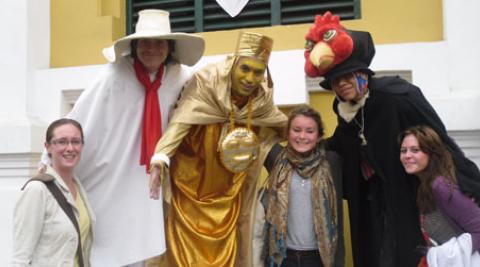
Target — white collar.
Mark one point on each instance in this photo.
(348, 110)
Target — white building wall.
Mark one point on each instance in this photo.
(32, 95)
(23, 50)
(461, 30)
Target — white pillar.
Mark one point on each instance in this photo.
(24, 48)
(462, 28)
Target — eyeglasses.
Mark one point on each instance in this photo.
(65, 142)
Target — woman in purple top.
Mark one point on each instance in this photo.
(445, 211)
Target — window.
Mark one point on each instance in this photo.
(206, 15)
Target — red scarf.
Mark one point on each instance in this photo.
(152, 119)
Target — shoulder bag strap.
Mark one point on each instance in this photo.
(62, 201)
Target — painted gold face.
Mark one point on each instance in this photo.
(247, 74)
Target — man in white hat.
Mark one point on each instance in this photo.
(214, 148)
(123, 114)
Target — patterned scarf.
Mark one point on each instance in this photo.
(324, 202)
(152, 119)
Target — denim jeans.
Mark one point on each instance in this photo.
(302, 260)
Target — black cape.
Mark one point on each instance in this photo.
(383, 214)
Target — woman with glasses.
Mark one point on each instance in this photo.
(43, 232)
(446, 213)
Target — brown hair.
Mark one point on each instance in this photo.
(309, 112)
(60, 122)
(440, 163)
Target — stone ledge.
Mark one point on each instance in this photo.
(469, 141)
(18, 165)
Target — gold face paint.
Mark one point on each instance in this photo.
(247, 74)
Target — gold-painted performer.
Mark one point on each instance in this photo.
(210, 157)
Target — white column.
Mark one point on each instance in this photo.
(24, 48)
(461, 30)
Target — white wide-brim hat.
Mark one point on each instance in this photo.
(155, 24)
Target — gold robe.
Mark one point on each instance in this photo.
(210, 217)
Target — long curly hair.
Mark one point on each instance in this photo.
(440, 163)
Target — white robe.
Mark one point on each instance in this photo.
(129, 224)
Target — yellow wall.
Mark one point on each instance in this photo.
(81, 28)
(388, 22)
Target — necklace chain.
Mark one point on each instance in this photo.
(362, 128)
(249, 114)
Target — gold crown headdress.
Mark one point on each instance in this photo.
(254, 45)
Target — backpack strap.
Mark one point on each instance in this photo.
(48, 180)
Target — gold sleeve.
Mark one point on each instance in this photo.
(171, 139)
(166, 146)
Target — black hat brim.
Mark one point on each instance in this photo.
(327, 82)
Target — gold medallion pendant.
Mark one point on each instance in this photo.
(239, 149)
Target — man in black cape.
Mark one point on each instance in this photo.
(371, 113)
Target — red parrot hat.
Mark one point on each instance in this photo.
(332, 51)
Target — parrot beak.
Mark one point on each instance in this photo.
(322, 56)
